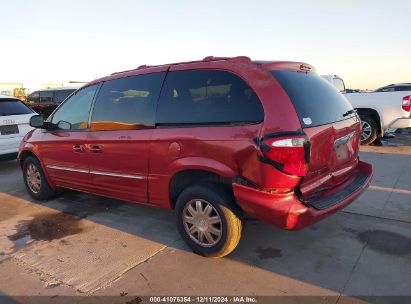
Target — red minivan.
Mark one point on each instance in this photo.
(217, 140)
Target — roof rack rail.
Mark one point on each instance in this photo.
(140, 67)
(237, 58)
(144, 66)
(205, 59)
(115, 73)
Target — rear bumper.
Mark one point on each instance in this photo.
(400, 123)
(288, 212)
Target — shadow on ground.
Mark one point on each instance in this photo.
(342, 253)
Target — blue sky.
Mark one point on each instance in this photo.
(365, 42)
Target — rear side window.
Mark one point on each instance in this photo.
(394, 88)
(13, 107)
(403, 88)
(60, 95)
(33, 98)
(46, 96)
(316, 101)
(127, 103)
(207, 97)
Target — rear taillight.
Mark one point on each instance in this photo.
(289, 154)
(406, 103)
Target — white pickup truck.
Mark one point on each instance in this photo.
(378, 111)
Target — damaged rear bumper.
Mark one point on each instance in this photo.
(287, 211)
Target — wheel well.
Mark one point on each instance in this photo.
(184, 179)
(374, 115)
(24, 155)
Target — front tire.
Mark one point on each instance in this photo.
(208, 221)
(35, 179)
(369, 130)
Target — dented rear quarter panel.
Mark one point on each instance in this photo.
(228, 151)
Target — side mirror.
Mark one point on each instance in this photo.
(37, 121)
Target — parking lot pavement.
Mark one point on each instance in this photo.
(79, 244)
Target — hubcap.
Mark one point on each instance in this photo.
(365, 130)
(202, 222)
(33, 178)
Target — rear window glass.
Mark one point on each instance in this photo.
(13, 107)
(46, 97)
(207, 97)
(316, 101)
(60, 95)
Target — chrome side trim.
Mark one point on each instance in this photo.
(96, 172)
(117, 175)
(68, 169)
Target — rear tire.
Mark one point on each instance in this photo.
(369, 130)
(35, 179)
(208, 221)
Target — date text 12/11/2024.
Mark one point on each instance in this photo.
(203, 299)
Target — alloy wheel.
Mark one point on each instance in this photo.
(202, 222)
(366, 130)
(33, 178)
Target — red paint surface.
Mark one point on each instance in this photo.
(286, 210)
(230, 151)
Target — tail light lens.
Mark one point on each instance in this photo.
(406, 103)
(290, 154)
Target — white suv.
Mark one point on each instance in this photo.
(14, 124)
(379, 111)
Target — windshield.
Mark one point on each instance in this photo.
(316, 101)
(13, 107)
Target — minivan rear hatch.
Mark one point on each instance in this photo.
(331, 126)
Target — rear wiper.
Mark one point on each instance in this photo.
(349, 112)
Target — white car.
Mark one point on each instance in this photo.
(14, 124)
(378, 110)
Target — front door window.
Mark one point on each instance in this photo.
(73, 114)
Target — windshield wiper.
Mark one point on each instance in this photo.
(349, 112)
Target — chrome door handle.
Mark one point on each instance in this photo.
(96, 149)
(79, 148)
